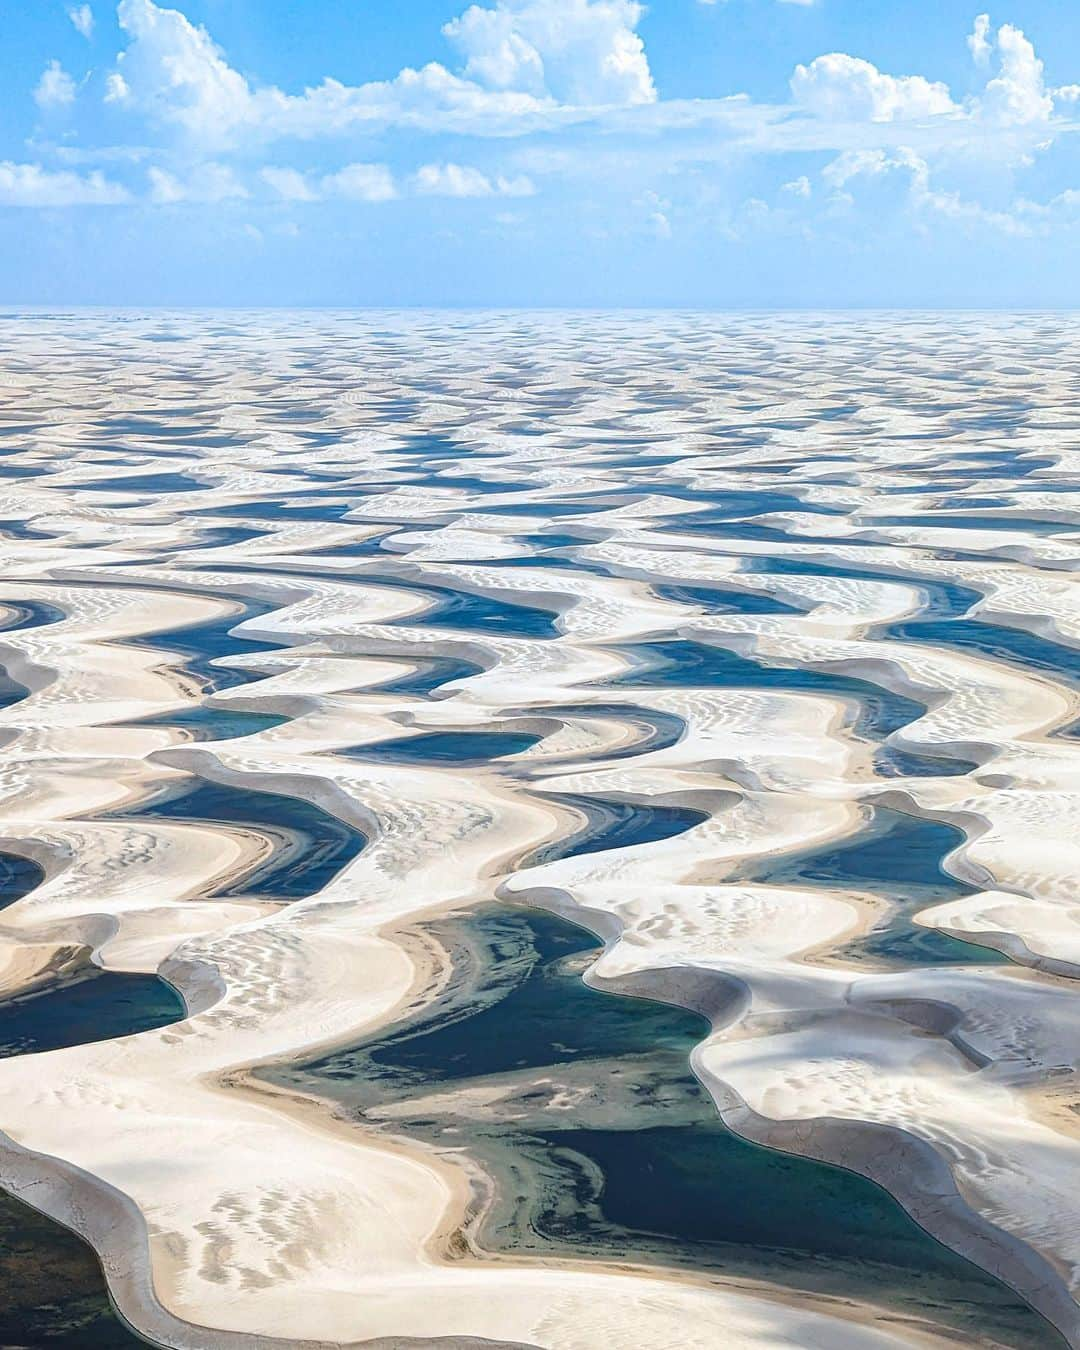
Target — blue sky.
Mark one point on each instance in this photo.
(737, 153)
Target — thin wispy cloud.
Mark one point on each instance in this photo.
(82, 16)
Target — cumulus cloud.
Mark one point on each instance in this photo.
(582, 52)
(289, 184)
(924, 200)
(873, 164)
(33, 185)
(540, 64)
(657, 220)
(376, 183)
(174, 69)
(55, 88)
(205, 183)
(457, 180)
(361, 183)
(846, 88)
(1018, 93)
(522, 58)
(517, 66)
(116, 90)
(979, 40)
(82, 16)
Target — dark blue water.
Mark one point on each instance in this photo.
(207, 722)
(313, 845)
(958, 522)
(31, 614)
(17, 528)
(658, 730)
(18, 877)
(54, 1293)
(222, 536)
(717, 600)
(900, 858)
(152, 427)
(944, 599)
(986, 639)
(891, 762)
(475, 613)
(683, 664)
(153, 483)
(469, 483)
(613, 824)
(96, 1007)
(360, 548)
(458, 609)
(721, 527)
(465, 748)
(432, 447)
(281, 510)
(11, 691)
(201, 644)
(431, 674)
(728, 503)
(663, 1180)
(551, 510)
(545, 1014)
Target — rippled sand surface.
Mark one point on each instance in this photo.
(606, 792)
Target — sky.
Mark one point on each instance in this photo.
(704, 153)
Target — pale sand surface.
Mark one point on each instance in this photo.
(227, 1214)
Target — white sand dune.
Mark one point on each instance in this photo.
(593, 534)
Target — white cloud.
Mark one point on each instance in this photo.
(656, 208)
(580, 52)
(355, 182)
(526, 62)
(174, 69)
(289, 184)
(1017, 94)
(870, 164)
(205, 183)
(529, 65)
(457, 180)
(164, 187)
(361, 183)
(55, 88)
(978, 40)
(32, 185)
(846, 88)
(116, 90)
(375, 183)
(82, 16)
(925, 200)
(563, 65)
